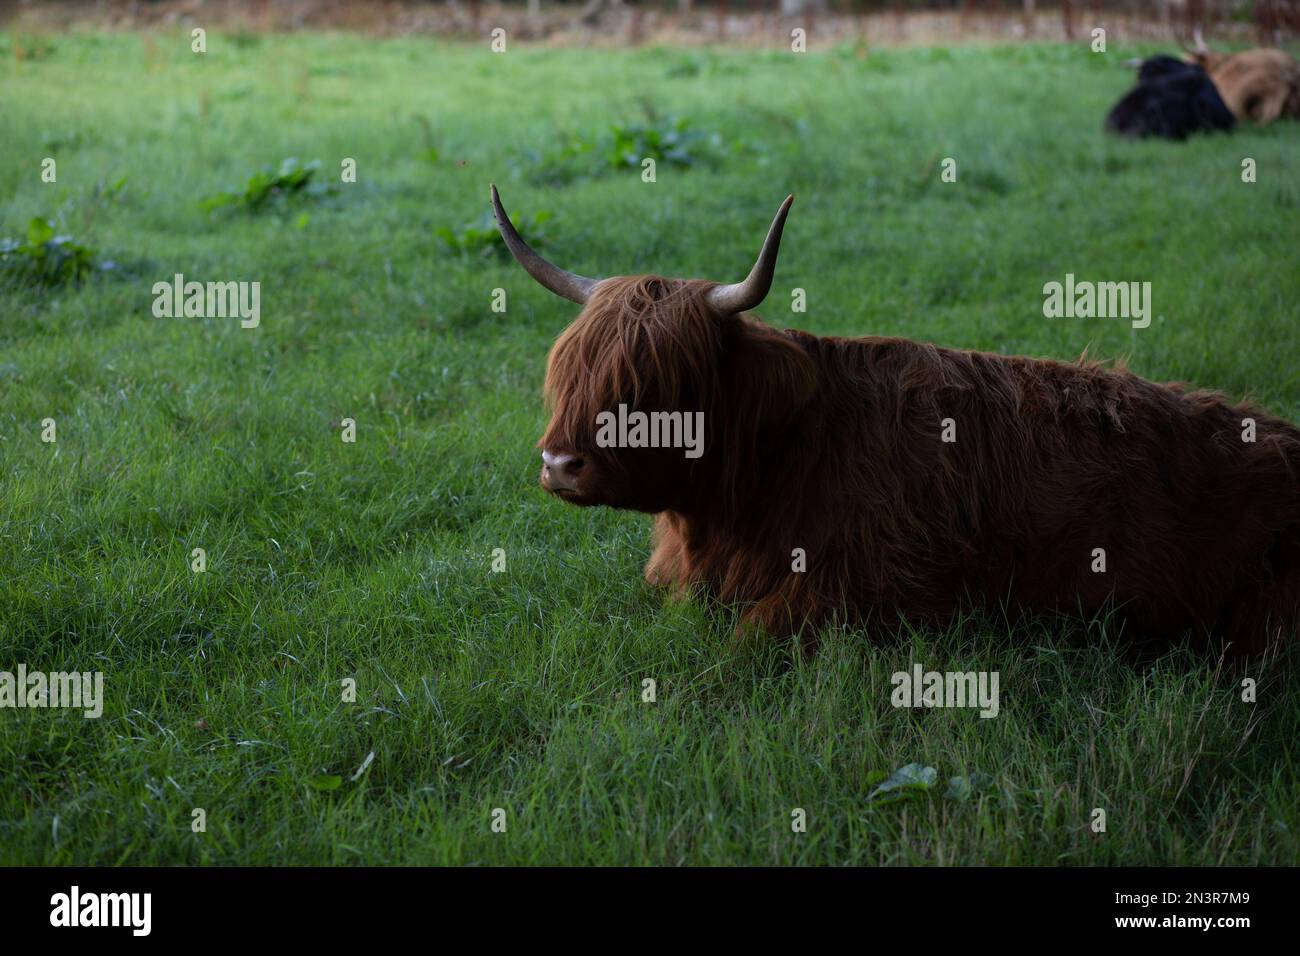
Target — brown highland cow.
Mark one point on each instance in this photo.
(876, 480)
(1259, 85)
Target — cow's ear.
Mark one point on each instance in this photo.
(768, 371)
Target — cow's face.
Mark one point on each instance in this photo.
(632, 385)
(1203, 56)
(1205, 59)
(642, 346)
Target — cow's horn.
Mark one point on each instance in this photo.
(730, 299)
(573, 287)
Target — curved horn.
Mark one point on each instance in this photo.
(573, 287)
(730, 299)
(1198, 45)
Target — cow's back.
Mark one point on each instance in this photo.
(1260, 85)
(1061, 486)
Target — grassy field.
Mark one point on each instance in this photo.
(522, 690)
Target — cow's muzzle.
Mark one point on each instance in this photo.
(561, 472)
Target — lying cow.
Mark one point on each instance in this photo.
(880, 480)
(1172, 100)
(1259, 85)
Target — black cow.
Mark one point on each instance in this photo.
(1172, 100)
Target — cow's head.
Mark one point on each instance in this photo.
(1201, 55)
(678, 351)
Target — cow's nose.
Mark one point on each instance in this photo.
(560, 472)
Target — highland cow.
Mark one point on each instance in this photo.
(881, 480)
(1172, 100)
(1260, 85)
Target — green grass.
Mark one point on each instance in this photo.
(522, 690)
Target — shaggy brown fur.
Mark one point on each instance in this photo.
(1260, 85)
(834, 446)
